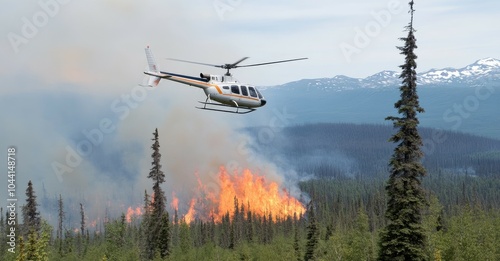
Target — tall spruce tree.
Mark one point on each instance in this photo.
(158, 224)
(403, 237)
(31, 216)
(82, 219)
(312, 235)
(158, 177)
(296, 241)
(61, 216)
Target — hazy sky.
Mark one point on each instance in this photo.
(91, 41)
(70, 67)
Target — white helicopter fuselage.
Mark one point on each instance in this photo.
(223, 89)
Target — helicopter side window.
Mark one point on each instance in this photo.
(225, 87)
(252, 92)
(235, 89)
(244, 90)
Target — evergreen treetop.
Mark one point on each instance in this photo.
(403, 237)
(31, 216)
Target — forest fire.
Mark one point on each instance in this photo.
(247, 191)
(132, 212)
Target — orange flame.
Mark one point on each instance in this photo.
(251, 191)
(132, 212)
(175, 202)
(191, 212)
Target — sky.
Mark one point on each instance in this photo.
(69, 73)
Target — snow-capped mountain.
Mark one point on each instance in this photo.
(482, 72)
(449, 97)
(478, 73)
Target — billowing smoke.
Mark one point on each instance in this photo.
(99, 154)
(83, 127)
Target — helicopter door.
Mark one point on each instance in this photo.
(244, 91)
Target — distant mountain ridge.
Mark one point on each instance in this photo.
(482, 72)
(449, 97)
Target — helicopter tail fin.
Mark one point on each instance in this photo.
(153, 70)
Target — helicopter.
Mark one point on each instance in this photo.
(224, 92)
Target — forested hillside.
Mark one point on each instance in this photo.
(361, 150)
(461, 220)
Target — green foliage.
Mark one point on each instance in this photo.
(22, 253)
(115, 236)
(460, 222)
(185, 237)
(156, 174)
(434, 228)
(472, 235)
(61, 216)
(164, 236)
(359, 242)
(403, 238)
(36, 247)
(157, 222)
(312, 235)
(453, 231)
(31, 216)
(296, 243)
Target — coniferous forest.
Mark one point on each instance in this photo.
(369, 192)
(345, 216)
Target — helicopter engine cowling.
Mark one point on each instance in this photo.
(205, 76)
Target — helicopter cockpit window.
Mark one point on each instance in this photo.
(225, 87)
(252, 92)
(235, 89)
(258, 93)
(244, 90)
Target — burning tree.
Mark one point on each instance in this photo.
(157, 221)
(403, 237)
(239, 192)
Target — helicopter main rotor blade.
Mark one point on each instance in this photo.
(258, 64)
(207, 64)
(234, 65)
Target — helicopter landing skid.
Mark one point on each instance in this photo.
(239, 110)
